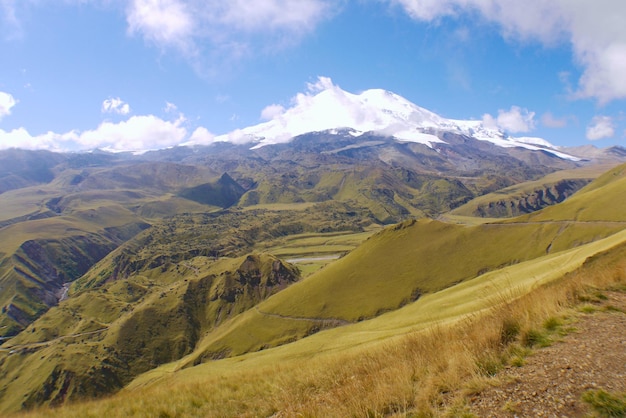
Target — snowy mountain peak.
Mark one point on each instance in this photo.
(326, 107)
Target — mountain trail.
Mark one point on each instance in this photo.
(327, 321)
(40, 344)
(553, 379)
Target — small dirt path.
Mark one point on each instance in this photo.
(31, 346)
(553, 379)
(329, 322)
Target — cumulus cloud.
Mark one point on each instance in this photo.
(201, 136)
(230, 26)
(514, 120)
(21, 138)
(322, 83)
(115, 105)
(7, 102)
(139, 133)
(163, 22)
(272, 111)
(594, 30)
(135, 134)
(601, 127)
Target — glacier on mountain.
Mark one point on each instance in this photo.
(326, 107)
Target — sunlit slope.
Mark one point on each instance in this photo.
(530, 196)
(401, 263)
(390, 194)
(38, 256)
(601, 201)
(439, 308)
(51, 234)
(99, 339)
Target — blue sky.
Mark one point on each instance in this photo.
(145, 74)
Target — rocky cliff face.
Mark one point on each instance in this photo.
(538, 199)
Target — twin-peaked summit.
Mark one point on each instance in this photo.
(329, 108)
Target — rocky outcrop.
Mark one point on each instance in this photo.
(538, 199)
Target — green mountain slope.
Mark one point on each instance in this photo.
(53, 233)
(396, 266)
(528, 197)
(224, 193)
(181, 289)
(38, 257)
(343, 359)
(96, 341)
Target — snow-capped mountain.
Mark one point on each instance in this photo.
(373, 111)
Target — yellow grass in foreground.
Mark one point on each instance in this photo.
(425, 373)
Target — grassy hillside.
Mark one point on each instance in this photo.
(404, 262)
(37, 257)
(94, 192)
(96, 341)
(52, 233)
(423, 359)
(390, 194)
(601, 201)
(530, 196)
(181, 291)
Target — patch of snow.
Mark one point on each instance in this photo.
(374, 111)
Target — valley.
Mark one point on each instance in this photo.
(122, 272)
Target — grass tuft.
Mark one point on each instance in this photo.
(510, 330)
(588, 309)
(613, 308)
(553, 324)
(536, 338)
(489, 364)
(606, 404)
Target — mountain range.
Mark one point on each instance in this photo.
(378, 112)
(334, 212)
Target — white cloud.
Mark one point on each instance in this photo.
(322, 83)
(489, 121)
(115, 105)
(601, 127)
(163, 22)
(514, 120)
(7, 102)
(272, 111)
(593, 28)
(139, 133)
(201, 136)
(229, 26)
(21, 138)
(271, 14)
(11, 27)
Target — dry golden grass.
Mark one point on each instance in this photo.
(427, 373)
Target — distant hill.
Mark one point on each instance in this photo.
(223, 193)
